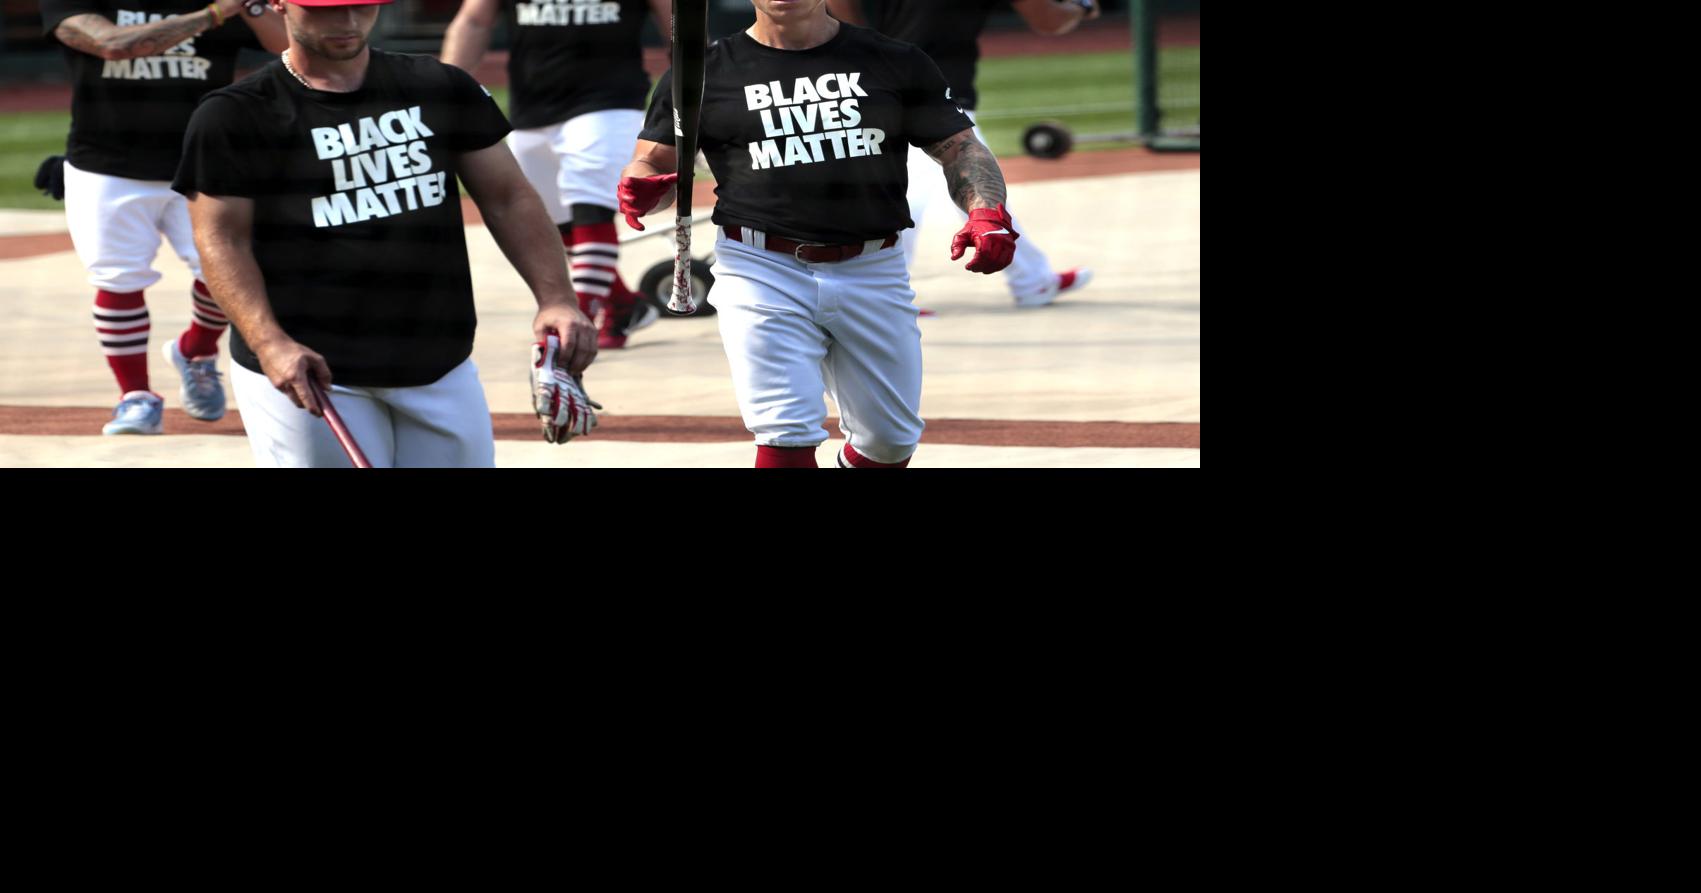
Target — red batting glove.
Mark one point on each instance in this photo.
(639, 195)
(994, 236)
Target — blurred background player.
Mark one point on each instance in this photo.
(576, 86)
(139, 67)
(949, 32)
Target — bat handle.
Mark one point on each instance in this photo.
(344, 437)
(681, 302)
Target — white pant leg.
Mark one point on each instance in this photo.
(537, 161)
(766, 306)
(445, 424)
(174, 222)
(114, 224)
(873, 364)
(1029, 272)
(283, 435)
(593, 148)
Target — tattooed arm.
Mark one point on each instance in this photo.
(971, 173)
(98, 36)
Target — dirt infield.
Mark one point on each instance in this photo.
(61, 421)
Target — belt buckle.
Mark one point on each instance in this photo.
(797, 253)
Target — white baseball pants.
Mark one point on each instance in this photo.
(1029, 274)
(793, 331)
(578, 161)
(445, 424)
(115, 225)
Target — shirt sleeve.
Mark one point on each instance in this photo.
(479, 122)
(53, 12)
(930, 114)
(658, 125)
(223, 151)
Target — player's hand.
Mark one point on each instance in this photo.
(577, 333)
(641, 195)
(1092, 12)
(993, 235)
(558, 396)
(287, 365)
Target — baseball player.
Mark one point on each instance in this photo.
(949, 31)
(804, 123)
(323, 193)
(577, 88)
(139, 67)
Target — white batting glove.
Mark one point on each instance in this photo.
(558, 397)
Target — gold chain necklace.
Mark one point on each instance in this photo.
(291, 69)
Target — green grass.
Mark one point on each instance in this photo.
(25, 139)
(1090, 92)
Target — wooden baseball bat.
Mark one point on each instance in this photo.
(690, 43)
(337, 427)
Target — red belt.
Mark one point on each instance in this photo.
(807, 252)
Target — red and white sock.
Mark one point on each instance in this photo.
(121, 322)
(594, 259)
(206, 324)
(785, 457)
(850, 458)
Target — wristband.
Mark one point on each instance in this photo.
(218, 17)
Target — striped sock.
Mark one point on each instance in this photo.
(850, 458)
(206, 324)
(594, 251)
(121, 322)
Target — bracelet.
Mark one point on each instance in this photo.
(218, 17)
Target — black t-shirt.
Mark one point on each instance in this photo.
(810, 144)
(357, 214)
(947, 30)
(573, 57)
(128, 115)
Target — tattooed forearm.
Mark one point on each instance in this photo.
(98, 36)
(971, 173)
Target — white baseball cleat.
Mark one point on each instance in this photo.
(1067, 281)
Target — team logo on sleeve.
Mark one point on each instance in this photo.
(380, 168)
(567, 12)
(178, 62)
(819, 120)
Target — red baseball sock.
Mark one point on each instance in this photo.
(850, 458)
(121, 322)
(587, 303)
(206, 323)
(785, 457)
(595, 264)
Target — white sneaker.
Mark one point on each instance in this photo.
(203, 395)
(139, 412)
